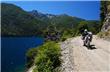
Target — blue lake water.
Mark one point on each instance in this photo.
(13, 50)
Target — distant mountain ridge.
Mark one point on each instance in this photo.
(17, 22)
(37, 14)
(59, 20)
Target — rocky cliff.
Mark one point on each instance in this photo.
(105, 20)
(106, 25)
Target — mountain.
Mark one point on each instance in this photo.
(17, 22)
(63, 20)
(66, 20)
(40, 15)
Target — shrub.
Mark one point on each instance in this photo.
(47, 58)
(30, 54)
(104, 34)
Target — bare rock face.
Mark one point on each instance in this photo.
(106, 26)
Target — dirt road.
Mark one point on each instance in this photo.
(81, 59)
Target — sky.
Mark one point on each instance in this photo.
(89, 10)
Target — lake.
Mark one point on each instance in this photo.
(13, 50)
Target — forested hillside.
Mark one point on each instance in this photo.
(17, 22)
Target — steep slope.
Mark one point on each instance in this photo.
(60, 21)
(106, 22)
(77, 58)
(106, 26)
(16, 21)
(66, 21)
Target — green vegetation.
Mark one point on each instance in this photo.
(30, 55)
(45, 57)
(22, 23)
(17, 22)
(104, 34)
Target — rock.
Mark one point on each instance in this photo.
(106, 25)
(67, 65)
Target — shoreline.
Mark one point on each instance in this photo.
(31, 69)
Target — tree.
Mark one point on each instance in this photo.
(82, 25)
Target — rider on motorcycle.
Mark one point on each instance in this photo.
(86, 36)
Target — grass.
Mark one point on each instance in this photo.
(46, 57)
(104, 34)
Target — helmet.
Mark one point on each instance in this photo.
(85, 30)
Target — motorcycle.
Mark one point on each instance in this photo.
(87, 41)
